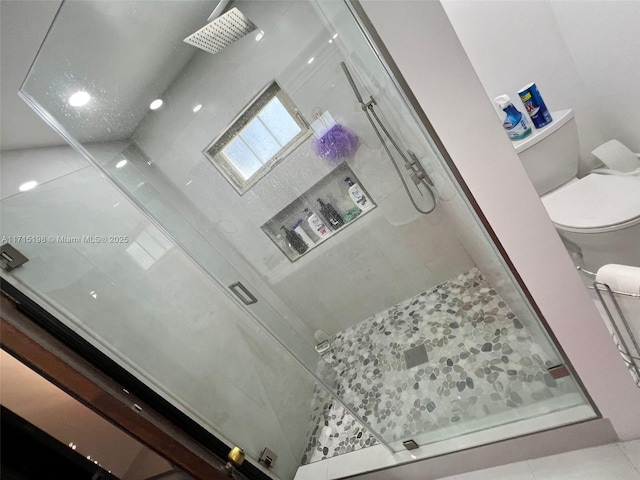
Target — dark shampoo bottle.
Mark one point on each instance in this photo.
(331, 215)
(295, 241)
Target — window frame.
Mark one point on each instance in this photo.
(214, 154)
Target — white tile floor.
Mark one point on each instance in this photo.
(620, 461)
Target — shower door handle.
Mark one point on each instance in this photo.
(243, 293)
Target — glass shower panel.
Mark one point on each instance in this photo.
(115, 279)
(420, 329)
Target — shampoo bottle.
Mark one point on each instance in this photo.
(295, 241)
(358, 196)
(297, 227)
(284, 244)
(515, 123)
(331, 214)
(317, 225)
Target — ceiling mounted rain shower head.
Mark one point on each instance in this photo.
(222, 31)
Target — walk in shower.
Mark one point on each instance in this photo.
(175, 247)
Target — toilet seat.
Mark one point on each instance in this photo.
(595, 204)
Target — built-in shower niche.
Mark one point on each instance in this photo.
(331, 189)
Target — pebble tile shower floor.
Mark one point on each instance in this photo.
(481, 361)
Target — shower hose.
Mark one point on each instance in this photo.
(421, 173)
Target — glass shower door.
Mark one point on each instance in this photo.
(412, 320)
(107, 273)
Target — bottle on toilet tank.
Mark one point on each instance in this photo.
(515, 123)
(535, 106)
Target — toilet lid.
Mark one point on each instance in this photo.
(595, 201)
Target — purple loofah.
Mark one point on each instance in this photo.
(336, 144)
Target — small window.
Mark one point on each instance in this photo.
(263, 134)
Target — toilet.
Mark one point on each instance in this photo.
(597, 216)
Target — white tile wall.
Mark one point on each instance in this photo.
(514, 471)
(632, 451)
(602, 463)
(619, 461)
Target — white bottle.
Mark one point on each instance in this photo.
(358, 196)
(317, 225)
(300, 231)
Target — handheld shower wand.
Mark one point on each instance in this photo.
(418, 174)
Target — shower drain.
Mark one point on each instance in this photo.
(415, 356)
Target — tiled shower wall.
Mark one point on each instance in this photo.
(395, 252)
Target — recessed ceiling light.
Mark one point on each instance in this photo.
(197, 108)
(259, 36)
(156, 104)
(310, 61)
(28, 185)
(79, 99)
(94, 294)
(121, 163)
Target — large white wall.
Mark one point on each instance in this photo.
(605, 46)
(582, 55)
(508, 200)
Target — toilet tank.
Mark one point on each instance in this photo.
(550, 155)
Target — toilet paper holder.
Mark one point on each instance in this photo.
(626, 342)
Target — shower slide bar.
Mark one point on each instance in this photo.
(632, 361)
(418, 174)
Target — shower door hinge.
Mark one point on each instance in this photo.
(268, 458)
(410, 444)
(10, 257)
